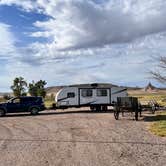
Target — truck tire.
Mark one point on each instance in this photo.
(34, 110)
(2, 112)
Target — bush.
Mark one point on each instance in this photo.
(6, 97)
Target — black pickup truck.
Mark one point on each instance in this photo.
(22, 104)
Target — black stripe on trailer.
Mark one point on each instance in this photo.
(63, 98)
(119, 91)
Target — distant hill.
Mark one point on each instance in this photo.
(3, 94)
(54, 89)
(149, 88)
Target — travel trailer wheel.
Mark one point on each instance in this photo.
(92, 108)
(104, 108)
(98, 108)
(153, 109)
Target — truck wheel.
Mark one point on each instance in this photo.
(2, 112)
(34, 111)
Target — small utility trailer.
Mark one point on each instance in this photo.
(127, 104)
(151, 106)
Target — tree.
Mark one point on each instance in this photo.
(19, 87)
(6, 96)
(40, 88)
(37, 89)
(32, 89)
(160, 75)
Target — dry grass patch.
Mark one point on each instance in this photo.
(145, 97)
(159, 126)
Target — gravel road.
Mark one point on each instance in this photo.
(74, 138)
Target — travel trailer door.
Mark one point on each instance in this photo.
(86, 96)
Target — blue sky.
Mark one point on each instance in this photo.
(22, 23)
(81, 41)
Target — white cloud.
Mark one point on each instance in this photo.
(25, 4)
(8, 52)
(84, 24)
(7, 42)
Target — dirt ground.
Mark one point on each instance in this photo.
(74, 138)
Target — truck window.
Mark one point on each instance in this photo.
(87, 93)
(70, 94)
(16, 100)
(101, 92)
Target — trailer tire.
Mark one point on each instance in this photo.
(92, 108)
(116, 112)
(98, 108)
(116, 115)
(153, 109)
(104, 108)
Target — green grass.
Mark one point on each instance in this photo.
(159, 126)
(48, 103)
(2, 100)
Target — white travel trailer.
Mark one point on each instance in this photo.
(94, 96)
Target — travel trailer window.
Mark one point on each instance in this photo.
(87, 93)
(101, 92)
(70, 94)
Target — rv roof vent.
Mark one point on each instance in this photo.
(94, 85)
